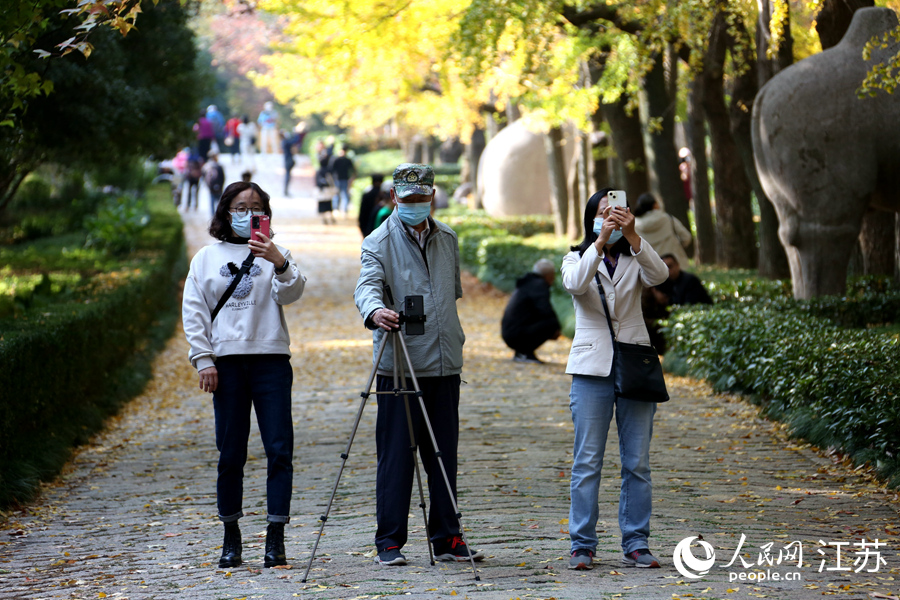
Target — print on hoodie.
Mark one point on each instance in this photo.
(246, 284)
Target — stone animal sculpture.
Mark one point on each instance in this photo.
(825, 156)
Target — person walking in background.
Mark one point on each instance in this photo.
(415, 255)
(214, 176)
(214, 115)
(268, 129)
(232, 138)
(179, 175)
(382, 210)
(529, 319)
(684, 172)
(367, 203)
(247, 133)
(287, 149)
(194, 174)
(344, 171)
(243, 359)
(322, 157)
(664, 232)
(205, 136)
(612, 260)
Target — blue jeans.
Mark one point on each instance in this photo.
(263, 380)
(592, 402)
(342, 198)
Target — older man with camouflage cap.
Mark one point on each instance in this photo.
(415, 255)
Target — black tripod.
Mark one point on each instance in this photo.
(398, 343)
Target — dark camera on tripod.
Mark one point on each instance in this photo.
(413, 315)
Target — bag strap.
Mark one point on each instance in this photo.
(605, 308)
(245, 268)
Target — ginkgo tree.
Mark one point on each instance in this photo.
(365, 63)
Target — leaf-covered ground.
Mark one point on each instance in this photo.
(134, 514)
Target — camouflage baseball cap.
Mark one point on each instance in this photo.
(412, 178)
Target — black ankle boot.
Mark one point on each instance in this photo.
(275, 546)
(231, 546)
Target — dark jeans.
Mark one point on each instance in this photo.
(529, 338)
(396, 470)
(263, 380)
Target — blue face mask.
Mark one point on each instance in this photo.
(241, 224)
(614, 237)
(413, 213)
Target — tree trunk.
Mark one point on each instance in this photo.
(513, 113)
(767, 67)
(556, 161)
(585, 186)
(834, 18)
(706, 231)
(629, 145)
(877, 242)
(10, 183)
(897, 246)
(772, 258)
(473, 155)
(658, 129)
(736, 242)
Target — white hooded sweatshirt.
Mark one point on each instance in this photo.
(252, 321)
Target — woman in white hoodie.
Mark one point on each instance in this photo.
(243, 358)
(665, 233)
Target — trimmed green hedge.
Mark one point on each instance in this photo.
(813, 365)
(489, 250)
(66, 365)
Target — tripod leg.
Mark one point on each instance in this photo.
(365, 396)
(437, 452)
(414, 448)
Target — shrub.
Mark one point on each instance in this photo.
(834, 385)
(491, 253)
(116, 225)
(524, 226)
(81, 349)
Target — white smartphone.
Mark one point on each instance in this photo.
(617, 198)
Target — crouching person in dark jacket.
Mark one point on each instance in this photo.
(529, 319)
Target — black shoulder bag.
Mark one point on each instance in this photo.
(245, 268)
(636, 369)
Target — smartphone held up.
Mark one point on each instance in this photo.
(617, 198)
(259, 224)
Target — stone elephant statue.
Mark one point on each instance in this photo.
(825, 156)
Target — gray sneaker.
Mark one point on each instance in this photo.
(582, 560)
(391, 556)
(640, 558)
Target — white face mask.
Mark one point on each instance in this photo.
(240, 224)
(614, 237)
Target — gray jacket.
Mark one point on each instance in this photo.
(391, 256)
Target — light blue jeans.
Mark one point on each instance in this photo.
(592, 402)
(342, 198)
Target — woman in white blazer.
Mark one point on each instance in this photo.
(623, 262)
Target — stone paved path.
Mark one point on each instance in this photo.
(133, 516)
